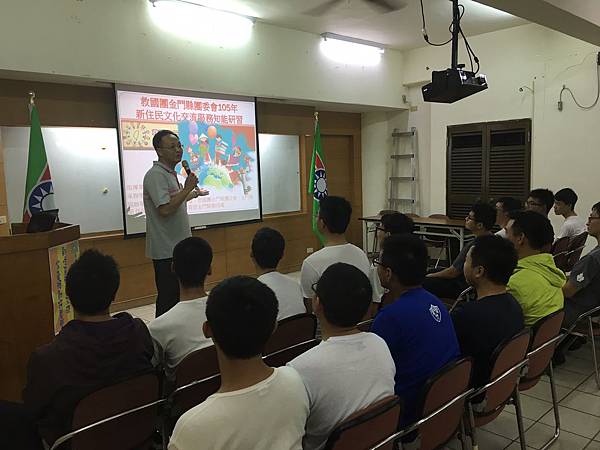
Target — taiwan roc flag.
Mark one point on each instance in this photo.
(317, 185)
(39, 192)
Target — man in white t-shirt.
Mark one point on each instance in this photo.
(350, 369)
(333, 220)
(267, 250)
(564, 205)
(257, 407)
(178, 332)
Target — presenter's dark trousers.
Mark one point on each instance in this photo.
(166, 285)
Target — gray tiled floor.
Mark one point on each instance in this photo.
(579, 410)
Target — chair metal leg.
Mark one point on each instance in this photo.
(472, 427)
(591, 332)
(554, 408)
(517, 398)
(462, 434)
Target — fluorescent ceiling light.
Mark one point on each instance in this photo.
(349, 50)
(198, 22)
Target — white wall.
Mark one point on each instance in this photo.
(565, 145)
(116, 40)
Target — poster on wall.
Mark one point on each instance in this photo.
(61, 257)
(219, 141)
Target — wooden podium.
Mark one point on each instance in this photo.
(32, 297)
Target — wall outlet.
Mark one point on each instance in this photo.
(309, 250)
(3, 220)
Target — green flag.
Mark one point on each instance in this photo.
(317, 184)
(39, 191)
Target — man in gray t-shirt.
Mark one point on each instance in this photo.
(582, 289)
(166, 214)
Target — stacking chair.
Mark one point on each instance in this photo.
(367, 427)
(509, 359)
(546, 335)
(120, 416)
(467, 295)
(442, 410)
(566, 251)
(291, 331)
(365, 325)
(587, 317)
(282, 357)
(441, 242)
(196, 378)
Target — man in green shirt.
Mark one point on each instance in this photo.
(536, 282)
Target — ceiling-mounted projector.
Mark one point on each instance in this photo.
(450, 85)
(455, 83)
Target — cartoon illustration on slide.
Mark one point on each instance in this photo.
(218, 155)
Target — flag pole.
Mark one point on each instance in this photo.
(31, 102)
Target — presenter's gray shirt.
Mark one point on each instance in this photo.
(163, 233)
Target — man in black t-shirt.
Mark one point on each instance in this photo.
(495, 316)
(450, 282)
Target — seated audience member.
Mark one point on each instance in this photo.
(392, 223)
(540, 201)
(582, 290)
(90, 351)
(416, 326)
(564, 205)
(333, 220)
(267, 250)
(537, 282)
(257, 407)
(450, 282)
(178, 331)
(349, 370)
(504, 207)
(495, 316)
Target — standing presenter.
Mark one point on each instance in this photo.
(167, 220)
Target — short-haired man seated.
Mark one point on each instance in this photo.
(257, 406)
(537, 282)
(90, 351)
(541, 201)
(450, 282)
(582, 289)
(504, 207)
(334, 217)
(178, 331)
(267, 250)
(564, 205)
(416, 326)
(495, 316)
(350, 369)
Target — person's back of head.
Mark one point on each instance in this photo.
(241, 314)
(404, 259)
(540, 200)
(192, 259)
(505, 206)
(565, 201)
(490, 259)
(92, 283)
(344, 295)
(484, 216)
(531, 230)
(397, 223)
(268, 246)
(335, 213)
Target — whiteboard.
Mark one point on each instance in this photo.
(279, 173)
(84, 164)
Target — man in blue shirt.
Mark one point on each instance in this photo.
(416, 326)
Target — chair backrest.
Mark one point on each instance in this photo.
(284, 356)
(560, 245)
(129, 431)
(544, 331)
(291, 331)
(576, 246)
(367, 427)
(507, 355)
(449, 382)
(201, 364)
(365, 325)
